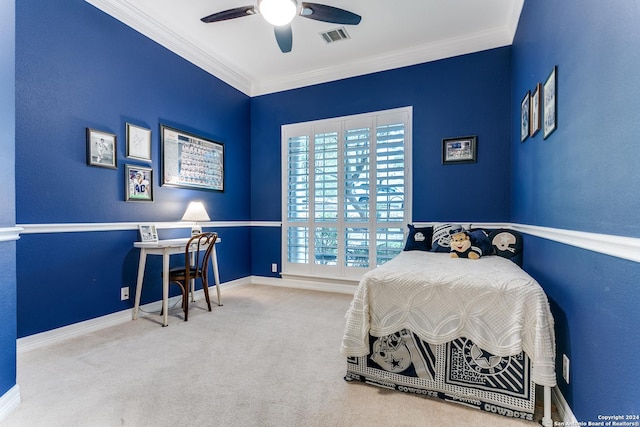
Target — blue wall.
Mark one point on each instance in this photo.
(467, 95)
(76, 68)
(7, 197)
(584, 177)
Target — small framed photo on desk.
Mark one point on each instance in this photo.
(148, 233)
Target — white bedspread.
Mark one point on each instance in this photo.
(490, 301)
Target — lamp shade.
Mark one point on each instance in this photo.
(196, 212)
(278, 12)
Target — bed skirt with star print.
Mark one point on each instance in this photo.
(458, 371)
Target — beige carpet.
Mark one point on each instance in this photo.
(269, 357)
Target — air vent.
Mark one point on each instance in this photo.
(335, 35)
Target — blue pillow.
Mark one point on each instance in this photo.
(480, 241)
(419, 239)
(441, 240)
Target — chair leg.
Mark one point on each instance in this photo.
(185, 299)
(205, 288)
(185, 302)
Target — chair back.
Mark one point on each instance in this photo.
(200, 266)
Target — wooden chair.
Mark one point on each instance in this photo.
(195, 267)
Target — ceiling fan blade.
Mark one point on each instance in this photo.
(284, 37)
(238, 12)
(324, 13)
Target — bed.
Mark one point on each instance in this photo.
(475, 332)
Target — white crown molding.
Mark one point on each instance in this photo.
(10, 233)
(135, 18)
(514, 18)
(403, 58)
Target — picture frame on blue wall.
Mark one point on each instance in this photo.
(524, 117)
(550, 104)
(535, 120)
(148, 233)
(459, 150)
(138, 143)
(101, 149)
(138, 183)
(191, 161)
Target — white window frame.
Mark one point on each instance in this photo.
(341, 124)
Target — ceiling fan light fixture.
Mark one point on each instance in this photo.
(278, 12)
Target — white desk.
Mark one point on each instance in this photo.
(166, 248)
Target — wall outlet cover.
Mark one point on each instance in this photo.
(565, 368)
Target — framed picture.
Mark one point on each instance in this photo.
(459, 150)
(191, 161)
(524, 117)
(138, 183)
(535, 121)
(550, 103)
(148, 233)
(138, 143)
(101, 149)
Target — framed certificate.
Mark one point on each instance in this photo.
(138, 143)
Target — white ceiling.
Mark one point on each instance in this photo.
(243, 52)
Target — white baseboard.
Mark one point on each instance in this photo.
(9, 402)
(300, 283)
(64, 333)
(564, 410)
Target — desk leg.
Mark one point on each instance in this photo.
(141, 265)
(165, 288)
(216, 276)
(192, 284)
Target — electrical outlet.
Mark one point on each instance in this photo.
(274, 268)
(124, 293)
(565, 368)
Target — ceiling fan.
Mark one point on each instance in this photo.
(280, 13)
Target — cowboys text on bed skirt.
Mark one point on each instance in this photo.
(458, 371)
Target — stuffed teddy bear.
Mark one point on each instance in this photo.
(469, 244)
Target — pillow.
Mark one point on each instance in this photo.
(441, 240)
(477, 246)
(507, 244)
(419, 239)
(480, 239)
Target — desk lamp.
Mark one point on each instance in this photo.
(196, 213)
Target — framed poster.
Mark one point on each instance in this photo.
(191, 161)
(459, 150)
(524, 117)
(550, 103)
(138, 143)
(138, 184)
(535, 121)
(101, 149)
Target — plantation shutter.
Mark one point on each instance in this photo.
(346, 186)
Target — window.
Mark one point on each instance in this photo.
(346, 193)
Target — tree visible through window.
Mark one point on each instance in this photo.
(346, 192)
